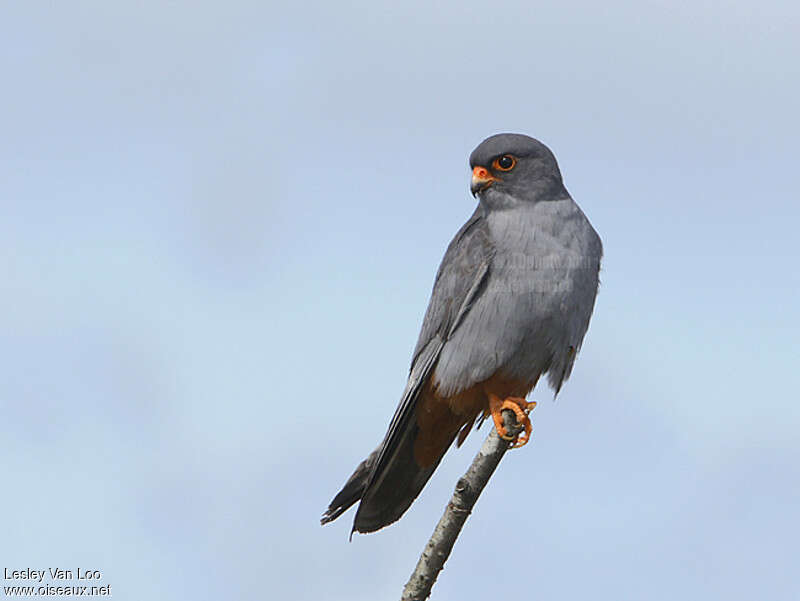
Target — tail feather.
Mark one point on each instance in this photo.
(353, 489)
(391, 490)
(394, 474)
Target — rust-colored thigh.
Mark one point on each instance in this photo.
(441, 418)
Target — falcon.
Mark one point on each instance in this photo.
(511, 302)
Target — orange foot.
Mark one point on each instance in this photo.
(520, 407)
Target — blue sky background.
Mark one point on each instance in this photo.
(219, 229)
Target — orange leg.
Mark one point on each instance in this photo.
(520, 407)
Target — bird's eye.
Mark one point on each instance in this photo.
(505, 163)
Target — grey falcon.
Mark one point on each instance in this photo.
(511, 302)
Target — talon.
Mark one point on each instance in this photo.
(521, 408)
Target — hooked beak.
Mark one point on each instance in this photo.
(481, 179)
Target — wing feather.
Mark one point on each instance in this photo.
(459, 281)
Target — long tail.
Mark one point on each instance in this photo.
(387, 492)
(353, 489)
(421, 431)
(390, 494)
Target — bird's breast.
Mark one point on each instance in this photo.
(545, 271)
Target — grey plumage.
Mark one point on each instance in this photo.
(513, 296)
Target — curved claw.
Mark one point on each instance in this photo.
(521, 408)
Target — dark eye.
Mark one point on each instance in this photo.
(505, 163)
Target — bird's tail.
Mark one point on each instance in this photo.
(353, 489)
(387, 493)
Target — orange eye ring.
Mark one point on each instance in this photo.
(504, 163)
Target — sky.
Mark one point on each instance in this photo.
(219, 228)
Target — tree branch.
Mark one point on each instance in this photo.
(468, 489)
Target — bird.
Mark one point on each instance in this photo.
(511, 302)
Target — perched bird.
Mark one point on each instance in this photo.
(511, 301)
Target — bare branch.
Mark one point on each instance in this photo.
(468, 489)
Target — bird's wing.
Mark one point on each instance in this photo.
(459, 281)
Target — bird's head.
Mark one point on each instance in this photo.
(508, 169)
